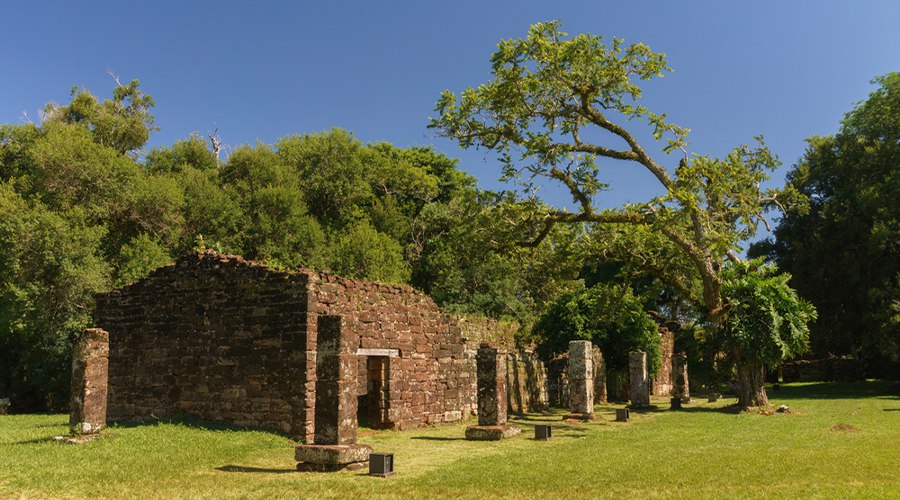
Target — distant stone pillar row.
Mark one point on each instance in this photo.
(682, 389)
(90, 375)
(640, 380)
(581, 377)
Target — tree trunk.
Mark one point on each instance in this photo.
(751, 385)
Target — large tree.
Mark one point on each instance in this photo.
(844, 252)
(555, 109)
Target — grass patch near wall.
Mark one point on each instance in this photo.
(838, 440)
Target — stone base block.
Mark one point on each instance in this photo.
(491, 432)
(319, 457)
(584, 417)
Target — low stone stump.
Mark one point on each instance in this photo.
(491, 432)
(675, 403)
(332, 458)
(622, 415)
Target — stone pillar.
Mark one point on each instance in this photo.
(336, 383)
(663, 382)
(491, 367)
(90, 374)
(682, 389)
(581, 379)
(599, 376)
(640, 382)
(491, 376)
(334, 444)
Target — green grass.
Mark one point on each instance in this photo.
(700, 452)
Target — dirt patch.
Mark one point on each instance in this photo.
(844, 428)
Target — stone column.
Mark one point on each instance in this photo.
(336, 383)
(682, 389)
(491, 367)
(491, 376)
(334, 444)
(581, 378)
(599, 376)
(90, 374)
(663, 382)
(640, 382)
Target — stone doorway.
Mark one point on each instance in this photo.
(374, 402)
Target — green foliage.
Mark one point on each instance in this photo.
(610, 316)
(362, 252)
(843, 249)
(138, 257)
(191, 153)
(401, 215)
(49, 271)
(767, 321)
(331, 168)
(558, 105)
(122, 123)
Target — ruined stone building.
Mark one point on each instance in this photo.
(234, 341)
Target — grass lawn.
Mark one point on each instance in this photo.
(841, 440)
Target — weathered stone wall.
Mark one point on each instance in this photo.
(526, 375)
(233, 341)
(213, 336)
(432, 378)
(476, 330)
(663, 381)
(526, 380)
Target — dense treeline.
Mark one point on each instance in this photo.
(844, 251)
(84, 209)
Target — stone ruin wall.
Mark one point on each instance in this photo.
(212, 336)
(433, 377)
(526, 376)
(233, 341)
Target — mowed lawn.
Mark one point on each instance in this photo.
(840, 440)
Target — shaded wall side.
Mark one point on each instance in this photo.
(214, 337)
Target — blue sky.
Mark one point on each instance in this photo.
(260, 70)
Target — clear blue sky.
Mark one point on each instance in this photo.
(260, 70)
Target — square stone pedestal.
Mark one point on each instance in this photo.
(490, 432)
(332, 458)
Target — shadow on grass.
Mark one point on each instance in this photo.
(193, 422)
(240, 468)
(733, 409)
(437, 438)
(48, 439)
(834, 390)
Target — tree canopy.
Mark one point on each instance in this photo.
(556, 108)
(844, 250)
(84, 207)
